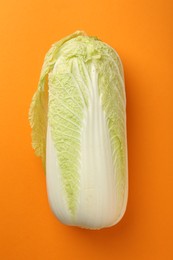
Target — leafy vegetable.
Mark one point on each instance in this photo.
(78, 121)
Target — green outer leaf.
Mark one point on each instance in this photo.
(38, 107)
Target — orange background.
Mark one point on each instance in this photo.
(142, 33)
